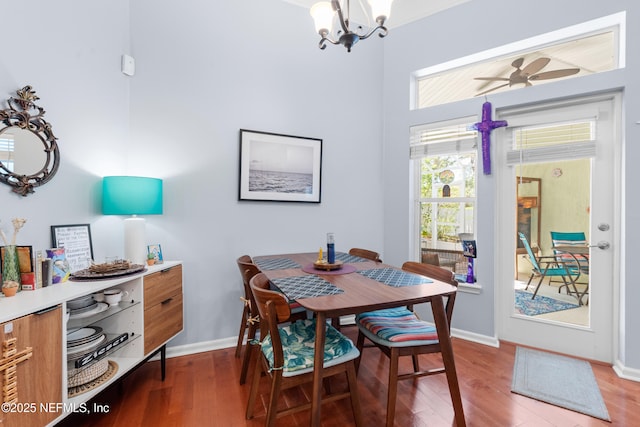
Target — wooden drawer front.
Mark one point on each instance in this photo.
(162, 285)
(162, 322)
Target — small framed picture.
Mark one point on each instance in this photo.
(469, 248)
(282, 168)
(76, 241)
(156, 251)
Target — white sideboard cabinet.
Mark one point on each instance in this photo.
(34, 327)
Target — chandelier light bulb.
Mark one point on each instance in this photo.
(322, 13)
(380, 10)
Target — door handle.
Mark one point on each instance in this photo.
(601, 245)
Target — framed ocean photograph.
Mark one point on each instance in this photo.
(275, 167)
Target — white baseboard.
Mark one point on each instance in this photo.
(626, 373)
(477, 338)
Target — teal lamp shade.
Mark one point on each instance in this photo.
(131, 195)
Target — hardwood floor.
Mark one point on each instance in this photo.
(203, 390)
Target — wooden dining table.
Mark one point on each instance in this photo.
(360, 285)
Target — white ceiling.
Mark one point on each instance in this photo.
(402, 11)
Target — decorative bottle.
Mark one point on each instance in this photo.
(331, 249)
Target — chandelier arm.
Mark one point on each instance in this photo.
(323, 40)
(383, 32)
(344, 24)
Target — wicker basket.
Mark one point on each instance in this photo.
(87, 374)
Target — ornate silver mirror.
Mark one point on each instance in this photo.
(29, 154)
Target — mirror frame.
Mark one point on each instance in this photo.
(23, 113)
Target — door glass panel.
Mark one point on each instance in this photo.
(562, 203)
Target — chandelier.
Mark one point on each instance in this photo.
(324, 12)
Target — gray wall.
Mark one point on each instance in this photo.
(474, 27)
(204, 70)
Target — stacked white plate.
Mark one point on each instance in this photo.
(83, 341)
(84, 307)
(80, 303)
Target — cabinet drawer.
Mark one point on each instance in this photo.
(162, 322)
(162, 285)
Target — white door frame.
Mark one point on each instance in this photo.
(552, 335)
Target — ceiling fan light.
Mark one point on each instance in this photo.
(380, 10)
(322, 14)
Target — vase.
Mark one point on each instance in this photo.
(10, 266)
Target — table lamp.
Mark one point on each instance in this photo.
(132, 195)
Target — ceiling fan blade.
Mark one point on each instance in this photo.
(492, 89)
(555, 74)
(535, 66)
(504, 79)
(517, 63)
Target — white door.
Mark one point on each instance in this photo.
(595, 338)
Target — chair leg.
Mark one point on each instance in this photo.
(255, 385)
(272, 410)
(527, 287)
(535, 292)
(359, 346)
(243, 328)
(392, 392)
(335, 322)
(248, 351)
(353, 392)
(416, 363)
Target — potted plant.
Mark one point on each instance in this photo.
(11, 266)
(151, 258)
(9, 288)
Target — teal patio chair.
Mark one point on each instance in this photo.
(574, 238)
(550, 266)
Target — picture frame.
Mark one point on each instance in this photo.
(76, 240)
(469, 248)
(156, 250)
(277, 167)
(25, 258)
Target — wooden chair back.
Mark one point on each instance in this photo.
(365, 253)
(247, 270)
(265, 297)
(438, 273)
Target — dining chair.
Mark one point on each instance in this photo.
(365, 253)
(339, 322)
(576, 238)
(550, 266)
(287, 354)
(398, 332)
(250, 318)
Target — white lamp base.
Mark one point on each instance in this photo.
(134, 240)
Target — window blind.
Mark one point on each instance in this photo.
(425, 140)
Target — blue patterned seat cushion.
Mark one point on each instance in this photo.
(396, 327)
(298, 341)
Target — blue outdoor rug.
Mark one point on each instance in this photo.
(558, 380)
(541, 305)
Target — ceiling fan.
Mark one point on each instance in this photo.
(528, 74)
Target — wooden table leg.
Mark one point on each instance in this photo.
(318, 364)
(442, 326)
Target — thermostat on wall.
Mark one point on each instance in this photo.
(128, 65)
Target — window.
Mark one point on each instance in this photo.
(445, 158)
(7, 151)
(590, 47)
